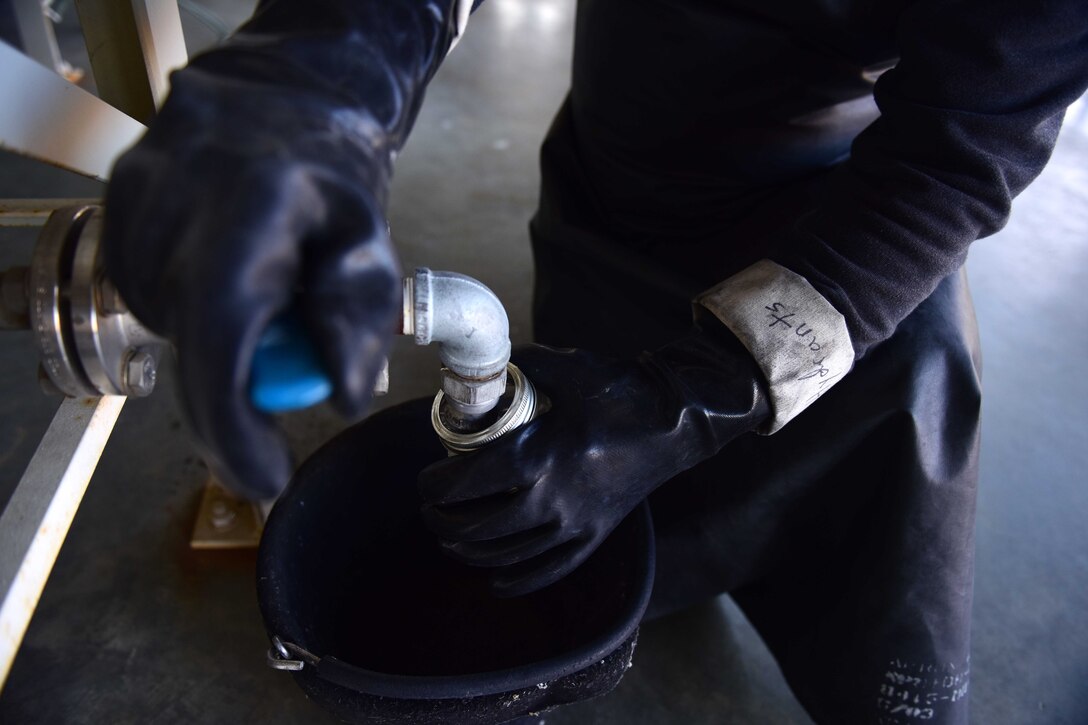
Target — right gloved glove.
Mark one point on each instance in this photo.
(536, 503)
(261, 187)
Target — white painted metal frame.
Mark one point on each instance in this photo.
(37, 518)
(159, 26)
(47, 118)
(133, 45)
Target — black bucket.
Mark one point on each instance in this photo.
(402, 634)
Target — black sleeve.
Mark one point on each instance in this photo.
(377, 56)
(969, 117)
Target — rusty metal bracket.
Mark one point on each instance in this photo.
(225, 521)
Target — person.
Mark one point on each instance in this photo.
(810, 174)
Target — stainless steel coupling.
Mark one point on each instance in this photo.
(524, 405)
(89, 343)
(468, 324)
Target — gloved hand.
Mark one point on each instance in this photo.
(540, 500)
(261, 187)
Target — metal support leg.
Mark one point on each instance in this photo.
(133, 46)
(40, 512)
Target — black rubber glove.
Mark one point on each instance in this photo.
(261, 187)
(539, 501)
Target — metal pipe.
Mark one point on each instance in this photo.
(465, 319)
(470, 327)
(472, 331)
(34, 212)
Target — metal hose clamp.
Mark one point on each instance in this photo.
(524, 406)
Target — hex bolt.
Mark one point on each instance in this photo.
(139, 374)
(223, 515)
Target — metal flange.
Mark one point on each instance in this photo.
(50, 271)
(119, 355)
(88, 341)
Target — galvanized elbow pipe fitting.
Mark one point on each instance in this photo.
(469, 325)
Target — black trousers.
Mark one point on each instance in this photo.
(847, 537)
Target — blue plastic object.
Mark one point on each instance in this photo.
(287, 373)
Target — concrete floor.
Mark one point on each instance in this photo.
(136, 627)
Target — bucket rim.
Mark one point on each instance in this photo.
(637, 527)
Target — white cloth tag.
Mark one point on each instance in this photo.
(799, 340)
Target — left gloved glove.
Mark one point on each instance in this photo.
(539, 501)
(261, 188)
